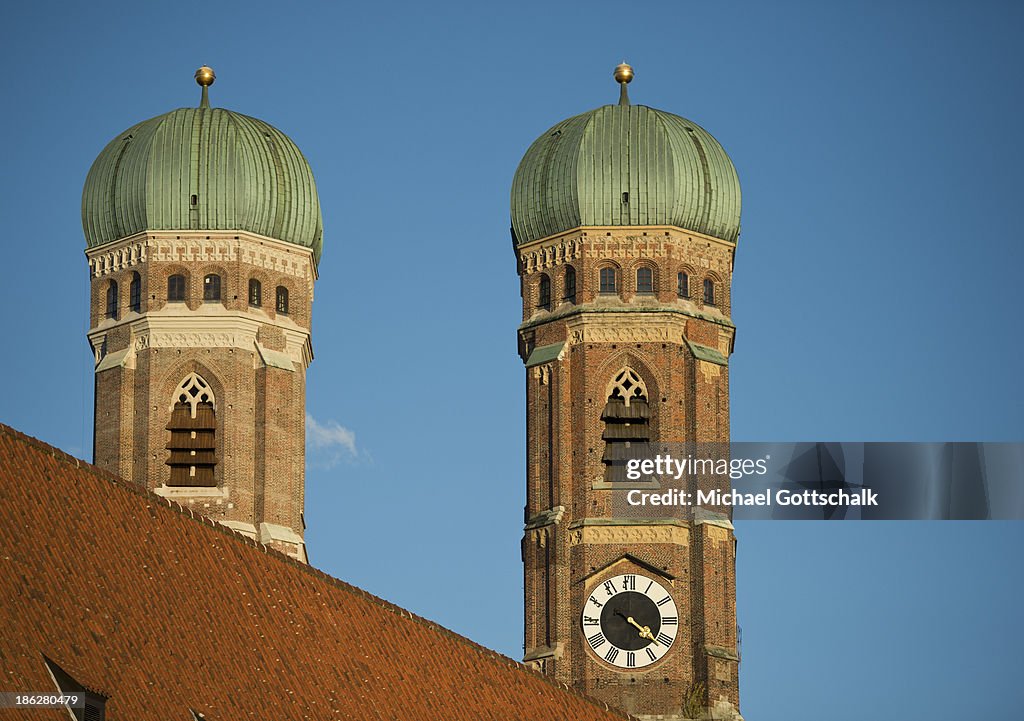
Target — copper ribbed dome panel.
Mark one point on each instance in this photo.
(622, 165)
(202, 169)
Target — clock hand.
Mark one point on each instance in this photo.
(645, 631)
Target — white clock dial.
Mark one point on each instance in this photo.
(629, 621)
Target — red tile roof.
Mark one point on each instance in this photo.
(163, 612)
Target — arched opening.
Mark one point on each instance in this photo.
(282, 299)
(683, 285)
(193, 427)
(626, 418)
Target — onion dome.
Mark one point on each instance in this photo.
(622, 165)
(202, 169)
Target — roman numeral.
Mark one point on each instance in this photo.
(650, 653)
(596, 640)
(630, 659)
(670, 621)
(613, 653)
(665, 600)
(648, 586)
(596, 602)
(666, 640)
(588, 621)
(629, 583)
(609, 588)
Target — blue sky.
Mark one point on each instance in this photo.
(876, 290)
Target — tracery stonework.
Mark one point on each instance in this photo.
(626, 535)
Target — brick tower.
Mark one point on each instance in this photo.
(625, 221)
(204, 231)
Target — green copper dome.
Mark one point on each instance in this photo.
(202, 169)
(625, 165)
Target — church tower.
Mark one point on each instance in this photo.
(203, 235)
(625, 221)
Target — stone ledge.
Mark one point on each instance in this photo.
(545, 518)
(543, 652)
(192, 492)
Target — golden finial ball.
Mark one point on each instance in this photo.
(205, 76)
(623, 73)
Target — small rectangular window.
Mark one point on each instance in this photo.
(709, 292)
(544, 300)
(112, 298)
(176, 288)
(570, 284)
(211, 287)
(644, 280)
(683, 289)
(608, 280)
(135, 294)
(255, 293)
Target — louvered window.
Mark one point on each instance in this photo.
(626, 418)
(193, 427)
(544, 300)
(282, 299)
(90, 705)
(570, 284)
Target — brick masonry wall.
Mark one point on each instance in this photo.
(689, 398)
(260, 409)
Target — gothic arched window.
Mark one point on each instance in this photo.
(255, 293)
(683, 285)
(544, 294)
(135, 293)
(176, 288)
(193, 427)
(211, 287)
(570, 284)
(282, 299)
(626, 418)
(608, 284)
(644, 280)
(112, 300)
(709, 291)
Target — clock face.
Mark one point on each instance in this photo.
(630, 621)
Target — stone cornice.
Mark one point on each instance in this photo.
(177, 327)
(220, 246)
(623, 312)
(555, 249)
